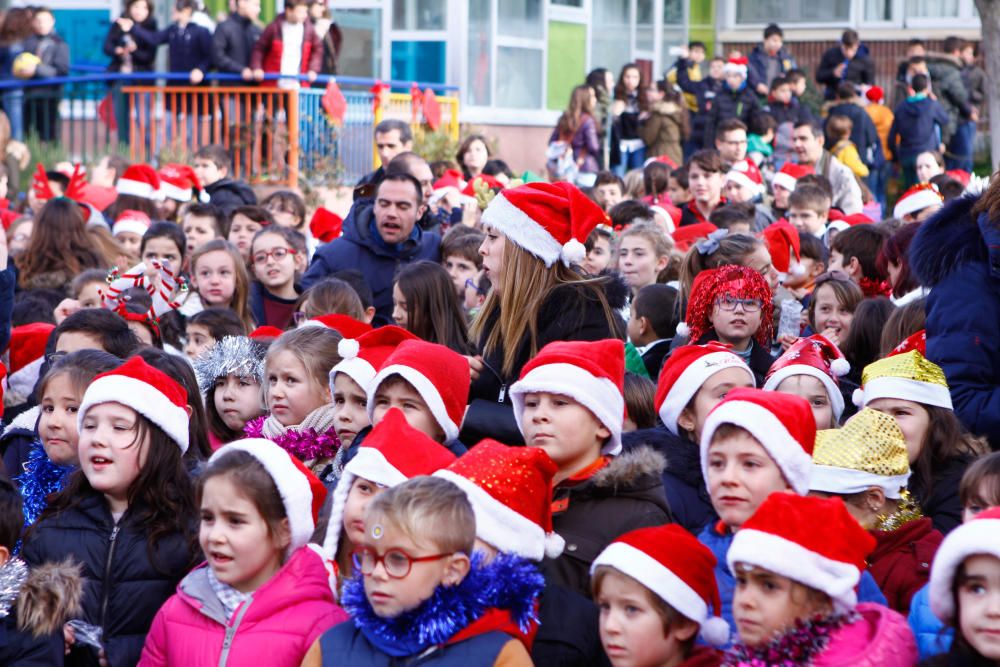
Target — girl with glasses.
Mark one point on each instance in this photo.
(277, 258)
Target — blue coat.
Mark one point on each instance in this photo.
(345, 644)
(189, 47)
(913, 128)
(933, 636)
(758, 60)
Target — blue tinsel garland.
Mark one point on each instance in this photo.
(41, 477)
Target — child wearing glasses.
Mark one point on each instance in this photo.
(277, 257)
(420, 590)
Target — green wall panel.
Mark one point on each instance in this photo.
(567, 52)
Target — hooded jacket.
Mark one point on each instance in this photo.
(266, 53)
(860, 69)
(901, 562)
(933, 637)
(663, 131)
(227, 195)
(741, 103)
(949, 89)
(33, 608)
(880, 638)
(912, 131)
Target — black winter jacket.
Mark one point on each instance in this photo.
(233, 42)
(860, 70)
(729, 103)
(228, 195)
(144, 56)
(705, 92)
(568, 634)
(941, 503)
(46, 597)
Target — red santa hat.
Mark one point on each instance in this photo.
(875, 94)
(662, 159)
(135, 222)
(266, 333)
(686, 369)
(302, 494)
(510, 490)
(917, 198)
(816, 357)
(746, 173)
(26, 355)
(147, 390)
(740, 282)
(736, 65)
(783, 243)
(677, 568)
(180, 183)
(549, 220)
(364, 355)
(439, 374)
(979, 536)
(392, 453)
(789, 174)
(451, 182)
(917, 341)
(782, 423)
(684, 237)
(592, 373)
(813, 541)
(325, 225)
(140, 180)
(346, 326)
(470, 188)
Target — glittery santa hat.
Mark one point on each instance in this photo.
(180, 183)
(782, 423)
(817, 357)
(813, 541)
(135, 222)
(549, 220)
(26, 355)
(686, 369)
(789, 174)
(478, 182)
(917, 341)
(510, 489)
(392, 453)
(677, 568)
(979, 536)
(439, 374)
(906, 376)
(302, 494)
(736, 65)
(364, 355)
(740, 282)
(241, 356)
(140, 180)
(147, 390)
(346, 326)
(916, 199)
(868, 451)
(783, 243)
(592, 373)
(746, 173)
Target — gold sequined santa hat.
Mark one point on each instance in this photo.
(868, 451)
(905, 375)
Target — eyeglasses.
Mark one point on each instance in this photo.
(729, 303)
(469, 282)
(831, 275)
(278, 254)
(396, 562)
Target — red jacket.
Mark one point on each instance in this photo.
(901, 562)
(266, 54)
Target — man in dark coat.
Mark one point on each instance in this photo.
(392, 137)
(848, 61)
(950, 91)
(769, 60)
(234, 38)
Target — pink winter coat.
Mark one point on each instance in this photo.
(277, 625)
(881, 638)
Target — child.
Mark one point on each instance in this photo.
(652, 324)
(126, 515)
(288, 210)
(918, 203)
(330, 296)
(838, 133)
(608, 190)
(164, 242)
(87, 287)
(208, 327)
(880, 114)
(813, 257)
(735, 100)
(476, 292)
(854, 252)
(810, 368)
(831, 309)
(201, 223)
(129, 229)
(289, 46)
(262, 591)
(220, 278)
(798, 561)
(643, 251)
(460, 255)
(244, 223)
(809, 210)
(297, 396)
(189, 44)
(599, 250)
(783, 185)
(422, 591)
(425, 303)
(916, 127)
(178, 187)
(760, 141)
(278, 256)
(569, 402)
(654, 587)
(212, 166)
(744, 184)
(230, 375)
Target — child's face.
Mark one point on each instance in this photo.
(350, 408)
(734, 80)
(110, 456)
(799, 87)
(399, 313)
(608, 195)
(199, 340)
(913, 419)
(831, 313)
(716, 69)
(634, 327)
(631, 78)
(57, 423)
(979, 605)
(167, 209)
(696, 54)
(737, 193)
(741, 475)
(90, 295)
(638, 263)
(705, 186)
(131, 242)
(599, 256)
(207, 171)
(361, 493)
(983, 499)
(402, 395)
(138, 11)
(297, 14)
(43, 23)
(766, 605)
(781, 196)
(712, 391)
(292, 393)
(275, 274)
(568, 432)
(215, 279)
(811, 389)
(198, 230)
(782, 94)
(678, 195)
(285, 218)
(162, 249)
(471, 298)
(237, 401)
(736, 320)
(460, 269)
(235, 537)
(806, 220)
(241, 233)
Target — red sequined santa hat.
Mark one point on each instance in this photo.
(917, 341)
(740, 282)
(346, 326)
(783, 243)
(813, 541)
(677, 568)
(789, 174)
(510, 490)
(302, 494)
(746, 173)
(783, 424)
(364, 355)
(816, 357)
(135, 222)
(180, 183)
(549, 220)
(980, 536)
(917, 198)
(140, 180)
(686, 369)
(736, 65)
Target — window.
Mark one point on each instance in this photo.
(878, 11)
(418, 14)
(418, 61)
(362, 28)
(610, 35)
(479, 82)
(792, 11)
(519, 78)
(932, 8)
(520, 18)
(644, 40)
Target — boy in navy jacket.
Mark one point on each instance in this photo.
(913, 130)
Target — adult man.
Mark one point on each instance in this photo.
(379, 237)
(769, 60)
(949, 89)
(807, 140)
(417, 167)
(731, 141)
(848, 61)
(392, 137)
(233, 40)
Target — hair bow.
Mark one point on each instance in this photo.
(711, 243)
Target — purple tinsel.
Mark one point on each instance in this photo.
(796, 647)
(306, 445)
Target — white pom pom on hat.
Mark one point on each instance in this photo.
(573, 252)
(348, 348)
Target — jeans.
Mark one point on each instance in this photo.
(960, 147)
(13, 106)
(877, 181)
(630, 160)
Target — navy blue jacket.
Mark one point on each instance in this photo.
(863, 133)
(358, 249)
(758, 58)
(860, 70)
(345, 644)
(705, 92)
(913, 129)
(729, 103)
(8, 282)
(189, 47)
(794, 112)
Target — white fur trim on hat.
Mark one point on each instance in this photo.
(690, 381)
(293, 486)
(976, 537)
(497, 524)
(427, 391)
(733, 68)
(599, 395)
(784, 180)
(142, 397)
(830, 479)
(738, 176)
(171, 191)
(906, 390)
(524, 232)
(917, 201)
(137, 188)
(836, 398)
(786, 451)
(134, 226)
(23, 381)
(357, 369)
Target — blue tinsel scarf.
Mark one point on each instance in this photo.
(41, 477)
(507, 582)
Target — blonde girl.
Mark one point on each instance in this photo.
(220, 278)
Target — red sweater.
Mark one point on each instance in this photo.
(266, 53)
(901, 562)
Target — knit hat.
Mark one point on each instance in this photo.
(907, 376)
(746, 173)
(346, 326)
(233, 355)
(510, 489)
(869, 450)
(677, 568)
(325, 225)
(789, 174)
(814, 541)
(392, 453)
(592, 373)
(140, 180)
(136, 222)
(362, 356)
(26, 356)
(147, 390)
(549, 220)
(978, 536)
(917, 198)
(684, 237)
(817, 357)
(736, 65)
(686, 369)
(439, 374)
(782, 423)
(875, 94)
(740, 282)
(783, 243)
(180, 183)
(302, 494)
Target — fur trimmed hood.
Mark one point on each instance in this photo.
(630, 469)
(49, 597)
(948, 239)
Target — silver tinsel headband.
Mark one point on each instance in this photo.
(233, 355)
